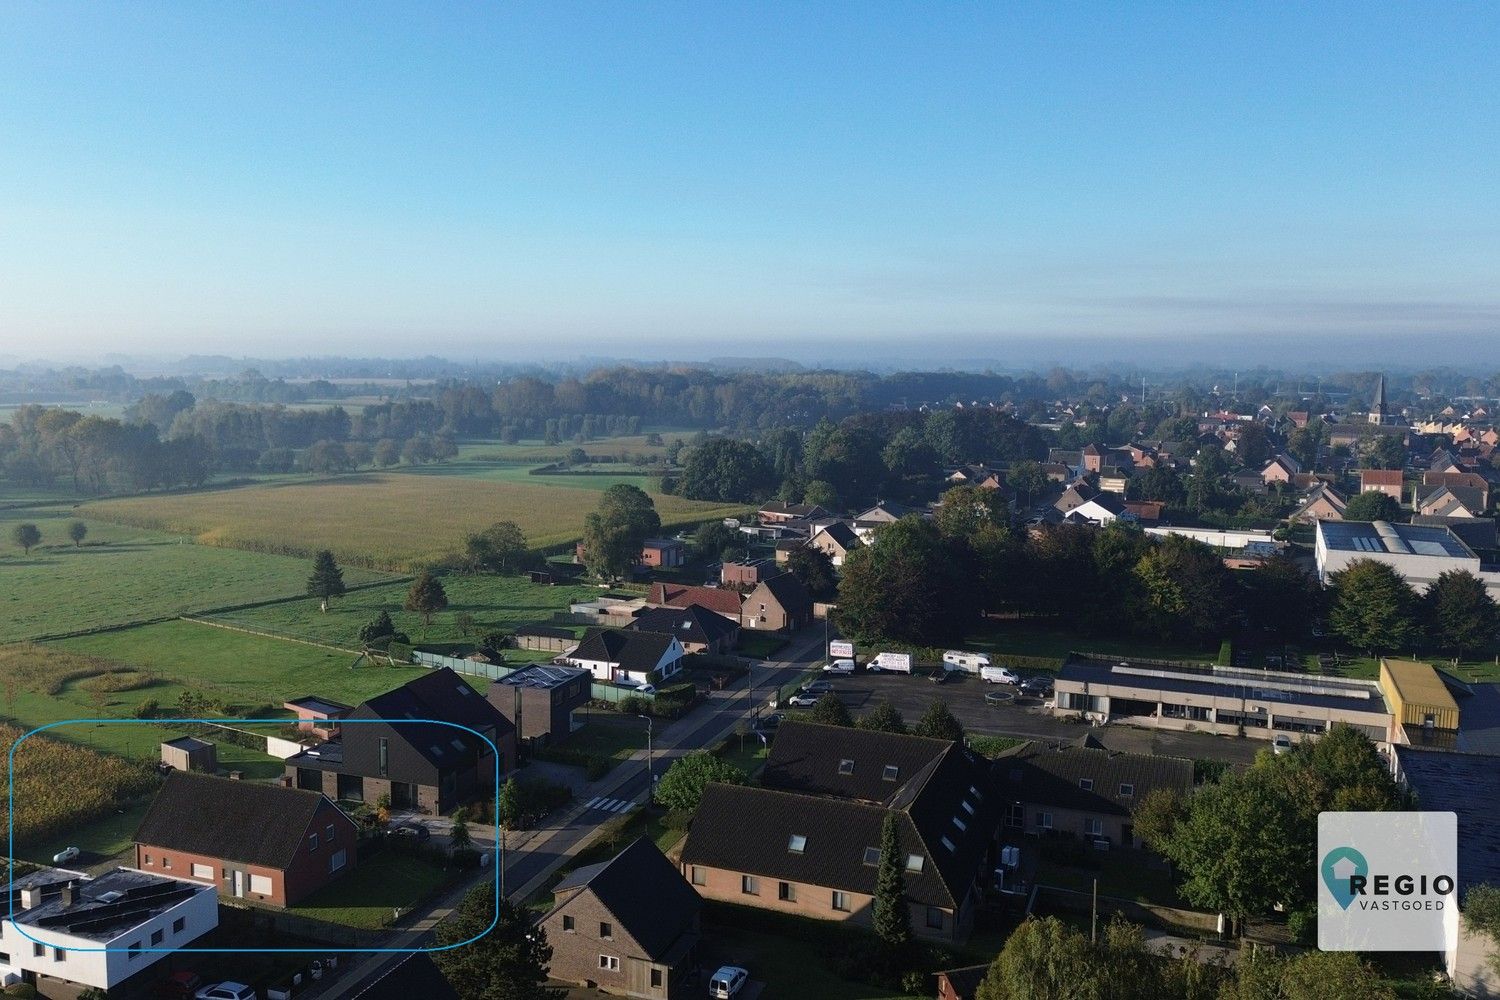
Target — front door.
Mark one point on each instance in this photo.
(239, 885)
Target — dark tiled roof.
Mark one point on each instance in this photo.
(416, 977)
(807, 757)
(1466, 784)
(694, 623)
(788, 592)
(245, 821)
(720, 599)
(843, 534)
(443, 696)
(965, 982)
(545, 631)
(1053, 775)
(648, 896)
(632, 650)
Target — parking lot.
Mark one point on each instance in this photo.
(1025, 717)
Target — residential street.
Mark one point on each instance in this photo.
(532, 856)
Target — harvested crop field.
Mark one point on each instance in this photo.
(386, 520)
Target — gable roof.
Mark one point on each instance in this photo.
(1054, 775)
(841, 533)
(807, 757)
(1380, 477)
(245, 821)
(694, 623)
(631, 649)
(720, 599)
(646, 894)
(445, 697)
(788, 591)
(415, 975)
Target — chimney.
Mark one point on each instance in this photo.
(30, 896)
(68, 894)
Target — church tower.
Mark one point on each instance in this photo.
(1377, 405)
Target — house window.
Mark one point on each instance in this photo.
(655, 978)
(569, 927)
(749, 885)
(1087, 784)
(4, 958)
(134, 950)
(914, 862)
(328, 832)
(166, 862)
(260, 885)
(606, 931)
(786, 892)
(872, 855)
(1093, 827)
(934, 918)
(38, 950)
(1127, 791)
(336, 860)
(156, 937)
(178, 925)
(146, 860)
(610, 963)
(846, 767)
(59, 954)
(312, 842)
(890, 772)
(797, 843)
(699, 878)
(385, 758)
(841, 901)
(1044, 820)
(203, 871)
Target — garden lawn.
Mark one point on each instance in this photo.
(124, 574)
(104, 838)
(368, 895)
(496, 602)
(380, 519)
(244, 670)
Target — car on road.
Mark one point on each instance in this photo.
(1037, 687)
(1281, 743)
(413, 831)
(803, 699)
(64, 856)
(839, 667)
(226, 991)
(727, 982)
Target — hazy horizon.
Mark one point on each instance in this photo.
(1024, 184)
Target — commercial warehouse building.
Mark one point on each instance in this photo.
(1230, 701)
(1419, 552)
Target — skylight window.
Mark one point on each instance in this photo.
(980, 798)
(465, 690)
(891, 770)
(456, 743)
(872, 855)
(914, 862)
(1087, 784)
(846, 767)
(1127, 791)
(949, 844)
(796, 843)
(437, 751)
(967, 807)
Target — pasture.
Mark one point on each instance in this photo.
(122, 574)
(536, 452)
(599, 477)
(59, 786)
(382, 519)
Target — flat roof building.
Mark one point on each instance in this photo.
(1419, 552)
(541, 700)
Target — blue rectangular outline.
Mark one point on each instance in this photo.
(10, 777)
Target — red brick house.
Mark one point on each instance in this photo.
(1387, 481)
(250, 840)
(671, 595)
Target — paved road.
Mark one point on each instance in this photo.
(532, 856)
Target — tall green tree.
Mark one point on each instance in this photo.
(426, 596)
(712, 539)
(510, 804)
(1312, 975)
(1373, 607)
(1187, 589)
(906, 587)
(510, 962)
(939, 723)
(682, 786)
(883, 718)
(892, 916)
(500, 548)
(327, 579)
(1280, 599)
(964, 510)
(830, 711)
(27, 535)
(1461, 615)
(1029, 480)
(814, 568)
(1045, 959)
(77, 531)
(614, 532)
(726, 470)
(1372, 505)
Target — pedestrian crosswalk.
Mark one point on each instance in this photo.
(609, 805)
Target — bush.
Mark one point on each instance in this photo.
(993, 746)
(147, 709)
(20, 990)
(634, 704)
(677, 819)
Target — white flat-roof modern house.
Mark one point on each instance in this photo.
(1419, 552)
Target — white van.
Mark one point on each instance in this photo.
(998, 675)
(969, 663)
(839, 667)
(727, 982)
(891, 663)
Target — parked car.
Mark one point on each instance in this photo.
(769, 723)
(415, 831)
(818, 687)
(226, 991)
(1037, 687)
(64, 856)
(803, 699)
(940, 675)
(180, 985)
(839, 667)
(727, 982)
(998, 675)
(1281, 743)
(646, 688)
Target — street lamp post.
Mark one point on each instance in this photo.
(650, 777)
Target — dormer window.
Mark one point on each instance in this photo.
(846, 767)
(872, 855)
(1127, 791)
(891, 770)
(796, 843)
(1087, 784)
(914, 862)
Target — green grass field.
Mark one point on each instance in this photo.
(1024, 638)
(368, 895)
(496, 602)
(520, 474)
(536, 452)
(378, 519)
(124, 574)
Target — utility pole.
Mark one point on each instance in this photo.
(1094, 919)
(650, 777)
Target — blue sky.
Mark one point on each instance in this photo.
(692, 179)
